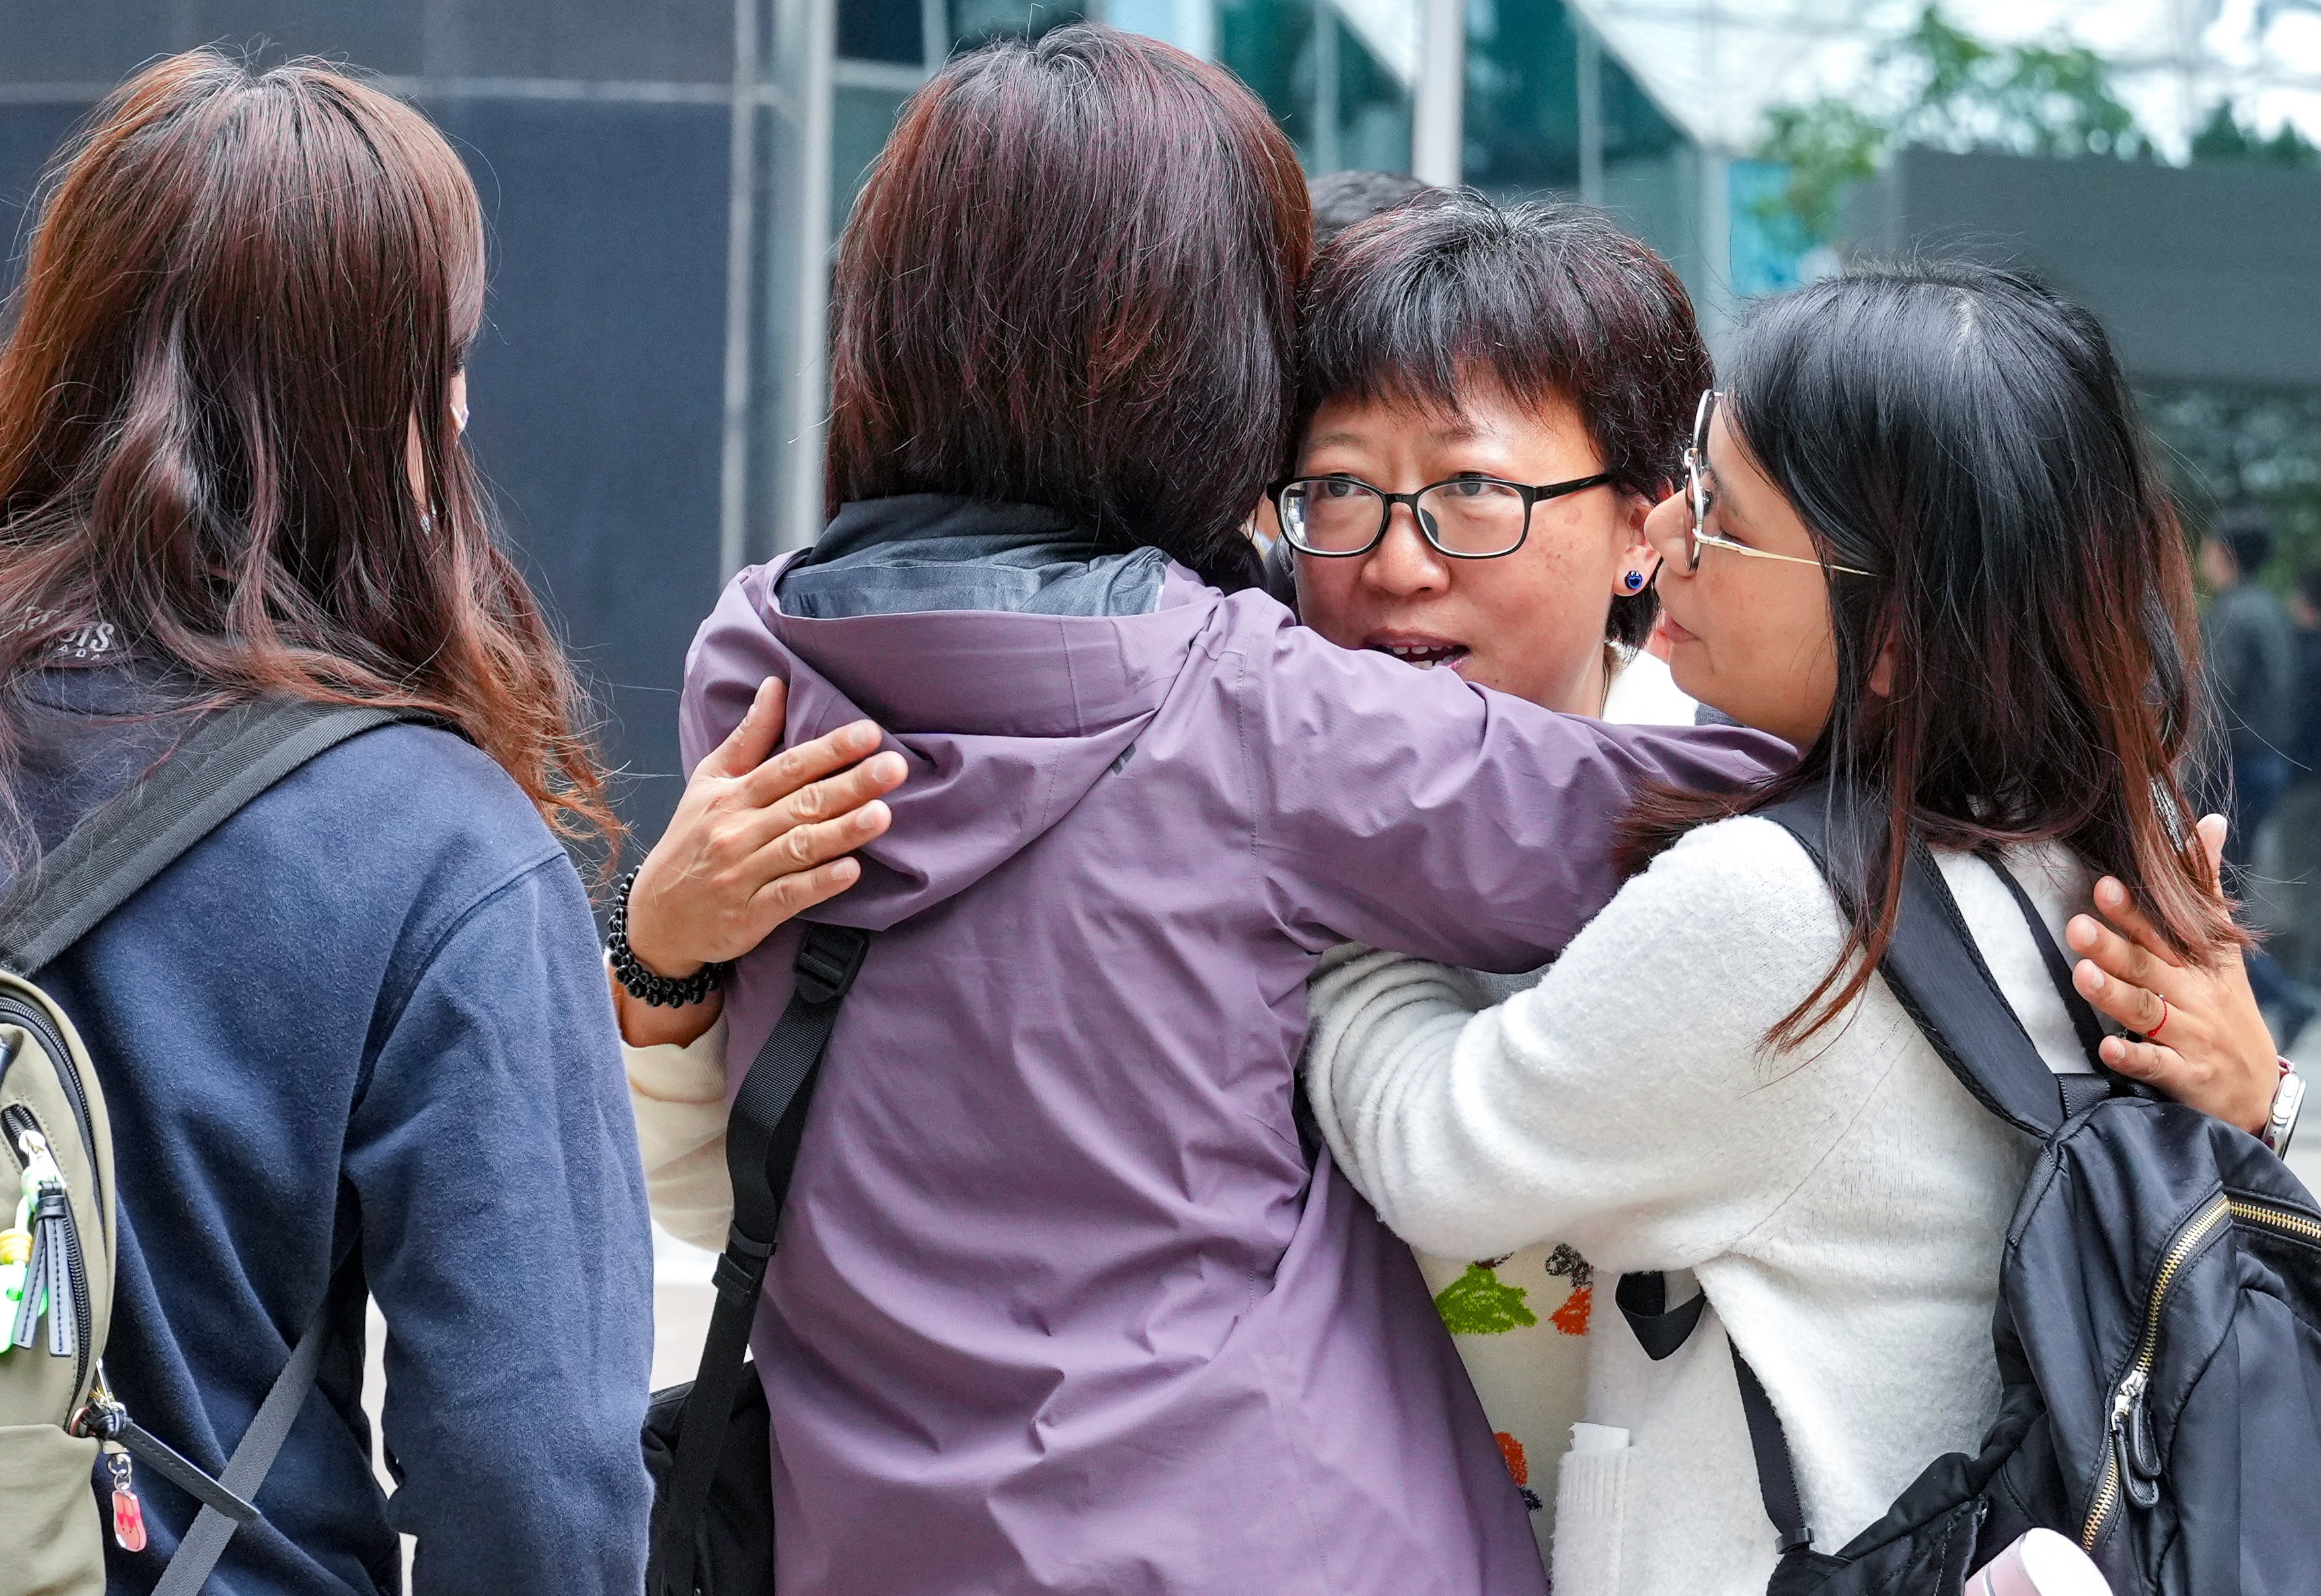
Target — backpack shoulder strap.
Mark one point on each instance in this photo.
(228, 761)
(1932, 965)
(1936, 968)
(761, 1149)
(226, 1505)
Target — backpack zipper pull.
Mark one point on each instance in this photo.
(50, 1245)
(106, 1419)
(17, 1280)
(47, 1270)
(2136, 1451)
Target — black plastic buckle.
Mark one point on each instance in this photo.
(741, 1267)
(828, 961)
(1801, 1541)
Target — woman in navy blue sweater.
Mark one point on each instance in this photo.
(368, 1015)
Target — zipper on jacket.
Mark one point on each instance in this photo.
(28, 1142)
(15, 1010)
(2131, 1467)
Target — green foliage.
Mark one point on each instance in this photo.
(1479, 1303)
(1828, 146)
(2223, 138)
(1942, 87)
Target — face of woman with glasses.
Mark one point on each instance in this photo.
(1529, 620)
(1748, 625)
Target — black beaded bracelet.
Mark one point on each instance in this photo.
(646, 986)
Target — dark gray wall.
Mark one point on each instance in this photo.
(598, 131)
(2202, 274)
(636, 41)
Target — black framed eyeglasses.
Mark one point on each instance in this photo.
(1465, 517)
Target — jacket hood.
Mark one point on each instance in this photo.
(1007, 719)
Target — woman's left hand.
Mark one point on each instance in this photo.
(2213, 1051)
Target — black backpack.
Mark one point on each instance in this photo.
(2159, 1323)
(707, 1444)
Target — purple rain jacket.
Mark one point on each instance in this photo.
(1061, 1304)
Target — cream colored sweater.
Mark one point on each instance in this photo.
(1844, 1206)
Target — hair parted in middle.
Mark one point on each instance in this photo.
(1425, 302)
(245, 301)
(1070, 280)
(1967, 436)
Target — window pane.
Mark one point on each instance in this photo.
(1321, 79)
(1522, 102)
(880, 30)
(973, 22)
(860, 120)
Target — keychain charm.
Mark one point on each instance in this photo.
(127, 1512)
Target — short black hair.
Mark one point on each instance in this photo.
(1344, 198)
(2246, 533)
(1546, 301)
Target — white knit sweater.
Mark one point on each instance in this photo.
(1843, 1206)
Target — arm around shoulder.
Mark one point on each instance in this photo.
(1410, 810)
(1628, 1102)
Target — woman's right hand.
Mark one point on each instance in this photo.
(755, 841)
(2211, 1049)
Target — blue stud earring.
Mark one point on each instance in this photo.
(1634, 581)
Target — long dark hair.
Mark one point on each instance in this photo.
(1071, 280)
(1967, 436)
(1546, 301)
(244, 294)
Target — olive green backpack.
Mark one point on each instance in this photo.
(58, 1423)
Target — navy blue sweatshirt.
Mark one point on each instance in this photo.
(369, 1013)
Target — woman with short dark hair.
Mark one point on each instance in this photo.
(1060, 1291)
(364, 1019)
(1460, 340)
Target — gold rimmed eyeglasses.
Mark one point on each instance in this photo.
(1700, 498)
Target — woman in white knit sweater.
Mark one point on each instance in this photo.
(1922, 544)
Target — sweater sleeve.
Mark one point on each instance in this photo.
(505, 1237)
(1408, 809)
(1627, 1103)
(679, 1094)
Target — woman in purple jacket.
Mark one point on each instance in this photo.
(1063, 1303)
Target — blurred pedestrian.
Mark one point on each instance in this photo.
(2249, 655)
(2304, 714)
(355, 1043)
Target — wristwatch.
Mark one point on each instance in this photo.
(2280, 1120)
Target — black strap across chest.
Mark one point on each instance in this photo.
(1936, 968)
(761, 1149)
